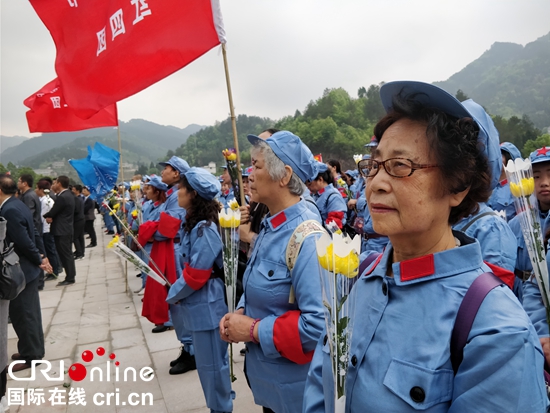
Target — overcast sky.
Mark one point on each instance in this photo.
(284, 53)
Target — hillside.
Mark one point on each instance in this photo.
(10, 141)
(142, 141)
(509, 80)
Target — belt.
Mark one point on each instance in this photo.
(366, 236)
(522, 275)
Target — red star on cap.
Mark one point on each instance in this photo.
(542, 151)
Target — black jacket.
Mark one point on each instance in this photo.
(63, 213)
(21, 231)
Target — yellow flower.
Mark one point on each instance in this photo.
(230, 219)
(525, 188)
(232, 157)
(341, 182)
(347, 266)
(135, 187)
(113, 242)
(528, 185)
(233, 204)
(116, 206)
(134, 213)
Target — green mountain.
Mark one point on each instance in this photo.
(509, 80)
(10, 141)
(142, 141)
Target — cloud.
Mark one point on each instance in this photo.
(284, 53)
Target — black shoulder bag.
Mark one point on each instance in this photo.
(12, 279)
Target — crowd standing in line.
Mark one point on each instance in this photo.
(430, 199)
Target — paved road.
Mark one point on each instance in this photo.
(101, 311)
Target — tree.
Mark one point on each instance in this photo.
(142, 170)
(461, 96)
(362, 92)
(532, 145)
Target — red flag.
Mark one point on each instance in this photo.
(110, 49)
(49, 112)
(318, 157)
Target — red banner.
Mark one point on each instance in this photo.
(49, 112)
(108, 50)
(318, 157)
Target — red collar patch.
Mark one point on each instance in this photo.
(278, 219)
(503, 182)
(156, 204)
(169, 192)
(417, 268)
(320, 191)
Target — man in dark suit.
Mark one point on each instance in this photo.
(29, 198)
(89, 217)
(78, 225)
(24, 310)
(61, 218)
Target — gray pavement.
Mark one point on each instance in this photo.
(101, 310)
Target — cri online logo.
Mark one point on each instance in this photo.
(78, 372)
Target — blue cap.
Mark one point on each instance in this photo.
(365, 156)
(177, 163)
(202, 181)
(146, 178)
(291, 150)
(321, 167)
(511, 149)
(157, 183)
(540, 155)
(247, 172)
(434, 97)
(373, 143)
(354, 173)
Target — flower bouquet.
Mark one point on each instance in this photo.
(338, 266)
(230, 156)
(522, 187)
(135, 187)
(230, 220)
(127, 254)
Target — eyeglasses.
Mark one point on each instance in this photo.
(396, 167)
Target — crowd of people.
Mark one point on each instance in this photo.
(434, 211)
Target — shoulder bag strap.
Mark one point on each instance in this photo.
(469, 224)
(467, 312)
(295, 243)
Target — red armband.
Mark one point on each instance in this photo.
(286, 338)
(506, 276)
(168, 225)
(146, 231)
(336, 217)
(196, 278)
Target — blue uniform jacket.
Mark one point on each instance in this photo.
(369, 244)
(203, 308)
(502, 200)
(498, 242)
(225, 199)
(172, 208)
(276, 381)
(400, 343)
(328, 200)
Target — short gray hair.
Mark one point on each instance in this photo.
(276, 168)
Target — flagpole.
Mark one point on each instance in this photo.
(234, 125)
(123, 199)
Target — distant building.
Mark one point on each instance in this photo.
(211, 167)
(44, 171)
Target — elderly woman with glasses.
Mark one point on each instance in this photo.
(429, 170)
(280, 315)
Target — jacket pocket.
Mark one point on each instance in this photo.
(418, 386)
